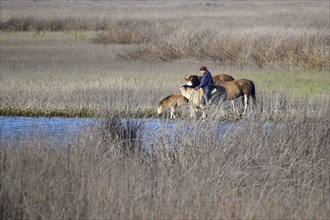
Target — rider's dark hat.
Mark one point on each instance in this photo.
(203, 68)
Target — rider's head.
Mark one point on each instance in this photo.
(202, 69)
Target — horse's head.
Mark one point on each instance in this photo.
(160, 109)
(192, 80)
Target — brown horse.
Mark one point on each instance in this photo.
(223, 77)
(235, 89)
(196, 79)
(172, 102)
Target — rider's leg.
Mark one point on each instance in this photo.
(207, 90)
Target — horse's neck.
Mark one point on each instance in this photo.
(196, 97)
(196, 81)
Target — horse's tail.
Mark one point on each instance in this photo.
(253, 93)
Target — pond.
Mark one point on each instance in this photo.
(54, 129)
(60, 130)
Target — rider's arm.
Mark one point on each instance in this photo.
(204, 80)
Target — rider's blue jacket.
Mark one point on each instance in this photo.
(206, 80)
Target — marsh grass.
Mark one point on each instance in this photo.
(75, 78)
(252, 171)
(127, 95)
(60, 76)
(246, 33)
(273, 164)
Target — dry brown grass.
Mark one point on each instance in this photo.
(256, 173)
(245, 33)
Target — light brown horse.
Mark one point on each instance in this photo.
(238, 88)
(172, 102)
(220, 77)
(196, 98)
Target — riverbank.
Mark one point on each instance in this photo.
(72, 113)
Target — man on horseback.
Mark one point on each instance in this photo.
(206, 83)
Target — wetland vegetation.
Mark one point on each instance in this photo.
(117, 59)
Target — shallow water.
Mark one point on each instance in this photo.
(54, 129)
(57, 130)
(63, 130)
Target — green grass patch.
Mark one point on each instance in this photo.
(311, 83)
(82, 112)
(33, 112)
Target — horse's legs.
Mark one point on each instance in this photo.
(172, 113)
(192, 112)
(246, 101)
(233, 103)
(203, 115)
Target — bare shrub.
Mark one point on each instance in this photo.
(121, 133)
(262, 47)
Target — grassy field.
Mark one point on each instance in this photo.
(118, 59)
(59, 74)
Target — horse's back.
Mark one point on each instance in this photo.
(173, 101)
(223, 77)
(179, 99)
(169, 100)
(164, 100)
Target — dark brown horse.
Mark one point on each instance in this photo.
(235, 89)
(220, 77)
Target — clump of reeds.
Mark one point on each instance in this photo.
(121, 133)
(129, 32)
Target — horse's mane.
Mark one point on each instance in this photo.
(195, 80)
(187, 86)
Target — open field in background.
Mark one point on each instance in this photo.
(242, 33)
(101, 59)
